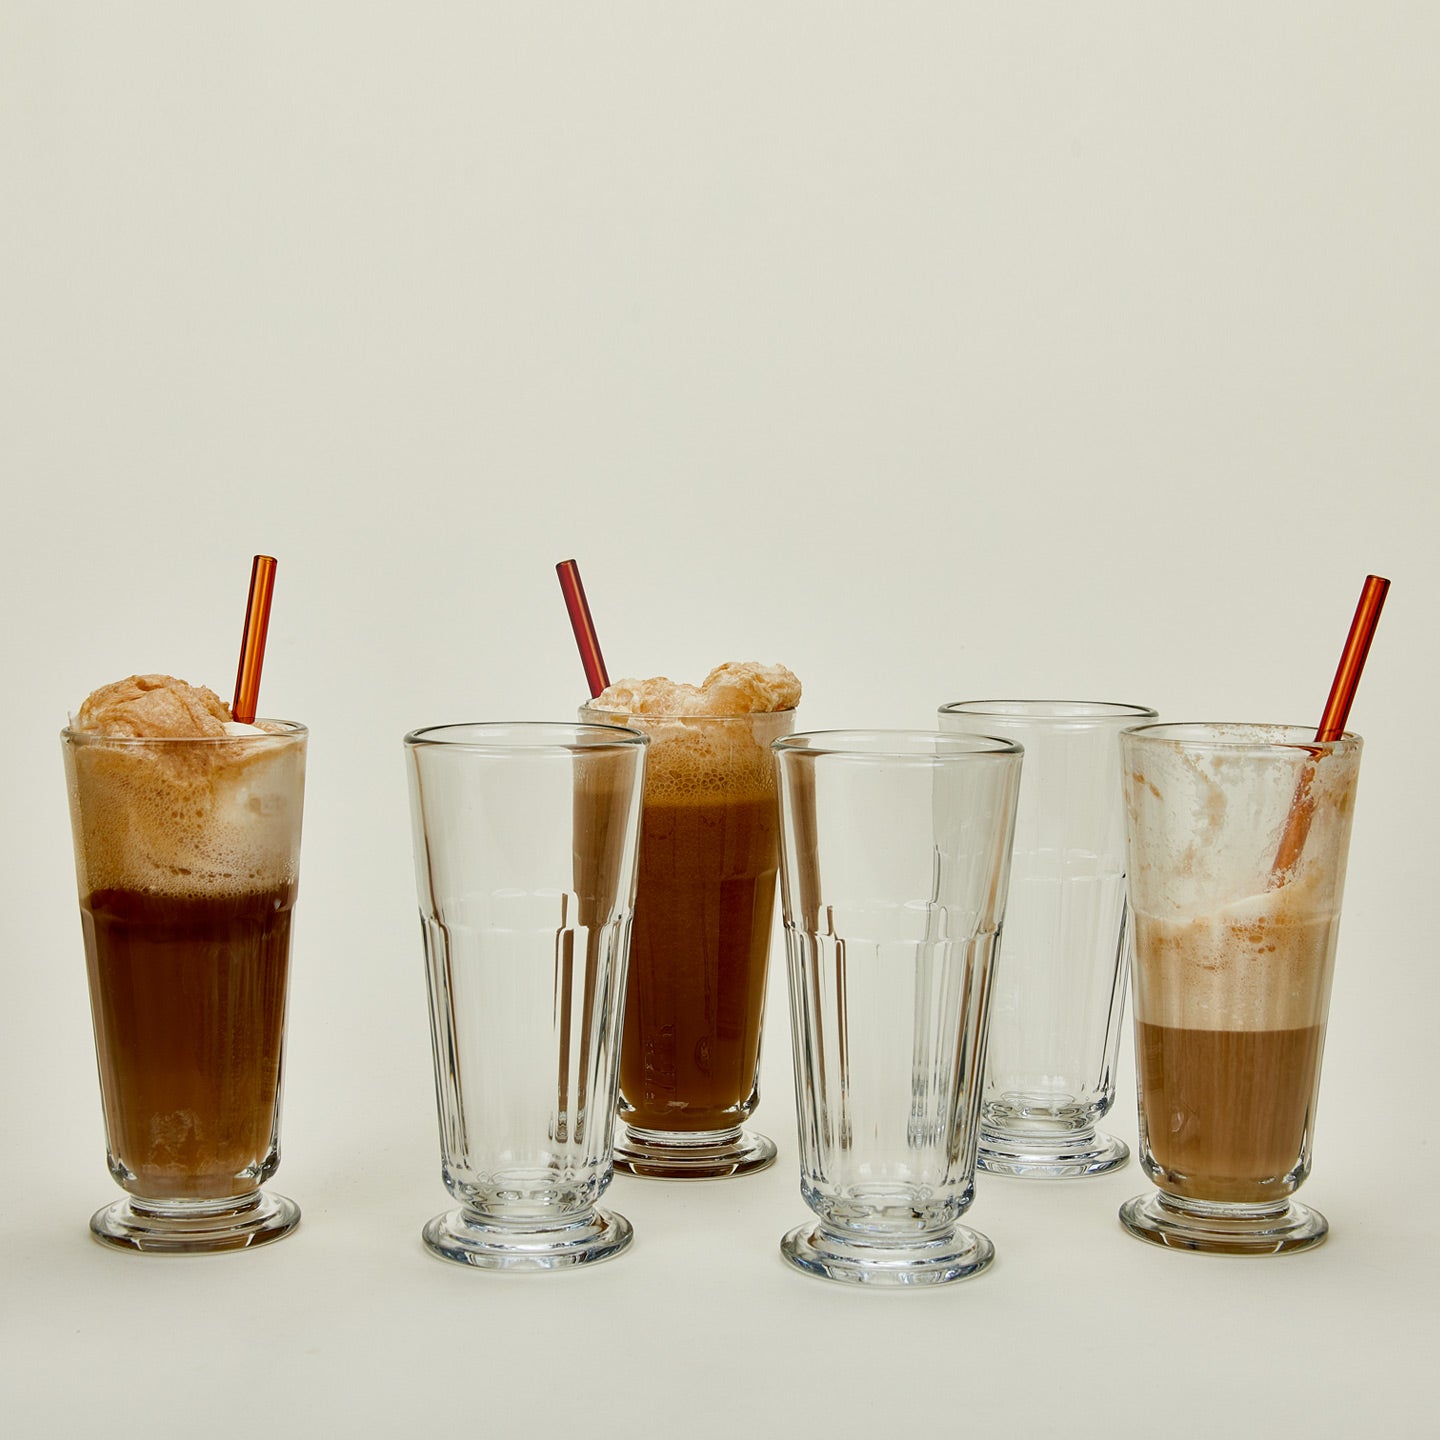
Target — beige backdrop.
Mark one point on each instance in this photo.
(940, 350)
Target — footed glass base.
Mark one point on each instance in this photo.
(471, 1240)
(707, 1155)
(955, 1254)
(195, 1227)
(1215, 1228)
(1060, 1155)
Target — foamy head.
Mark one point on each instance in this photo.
(1262, 963)
(170, 796)
(1223, 939)
(708, 739)
(738, 687)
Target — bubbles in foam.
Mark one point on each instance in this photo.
(709, 739)
(738, 687)
(1262, 963)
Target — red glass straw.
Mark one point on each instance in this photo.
(252, 642)
(1352, 659)
(1332, 721)
(586, 641)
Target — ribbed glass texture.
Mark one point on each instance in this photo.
(1060, 983)
(887, 1131)
(525, 845)
(894, 852)
(525, 1022)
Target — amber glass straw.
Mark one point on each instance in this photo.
(252, 643)
(586, 641)
(1332, 721)
(1352, 659)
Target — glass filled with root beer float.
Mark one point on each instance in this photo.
(187, 844)
(700, 946)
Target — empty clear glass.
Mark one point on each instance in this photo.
(895, 849)
(525, 845)
(1060, 983)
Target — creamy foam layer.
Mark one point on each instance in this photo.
(170, 796)
(1263, 963)
(706, 740)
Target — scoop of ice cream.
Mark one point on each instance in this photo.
(742, 687)
(154, 706)
(213, 817)
(707, 740)
(738, 687)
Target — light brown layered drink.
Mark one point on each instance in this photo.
(187, 830)
(1234, 954)
(1230, 1027)
(700, 943)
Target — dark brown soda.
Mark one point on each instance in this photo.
(698, 954)
(188, 1000)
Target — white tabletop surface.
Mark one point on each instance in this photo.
(941, 351)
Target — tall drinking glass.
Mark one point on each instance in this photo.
(690, 1061)
(525, 844)
(895, 852)
(187, 859)
(1238, 838)
(1060, 984)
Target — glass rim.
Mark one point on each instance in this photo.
(532, 737)
(1078, 711)
(904, 745)
(1226, 737)
(748, 716)
(289, 730)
